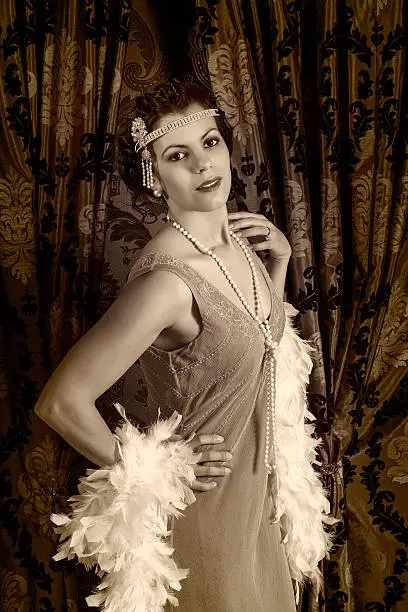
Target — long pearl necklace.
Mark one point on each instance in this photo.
(270, 345)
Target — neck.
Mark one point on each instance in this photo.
(210, 228)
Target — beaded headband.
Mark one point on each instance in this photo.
(142, 138)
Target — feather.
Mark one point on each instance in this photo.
(118, 522)
(119, 519)
(301, 504)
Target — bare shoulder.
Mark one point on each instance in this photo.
(170, 241)
(162, 282)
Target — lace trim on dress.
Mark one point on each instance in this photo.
(215, 299)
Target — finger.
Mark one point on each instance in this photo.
(190, 437)
(240, 214)
(198, 456)
(203, 486)
(252, 231)
(214, 455)
(243, 223)
(261, 246)
(202, 439)
(202, 471)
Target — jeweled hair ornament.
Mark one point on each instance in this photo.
(142, 138)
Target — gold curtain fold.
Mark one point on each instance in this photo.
(61, 65)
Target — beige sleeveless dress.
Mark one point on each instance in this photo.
(217, 382)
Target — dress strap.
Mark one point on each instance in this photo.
(164, 261)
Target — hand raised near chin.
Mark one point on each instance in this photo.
(252, 225)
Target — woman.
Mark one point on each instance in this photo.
(210, 329)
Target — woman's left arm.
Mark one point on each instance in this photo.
(251, 224)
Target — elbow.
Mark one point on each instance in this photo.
(40, 411)
(45, 411)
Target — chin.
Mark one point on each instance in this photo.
(214, 198)
(215, 203)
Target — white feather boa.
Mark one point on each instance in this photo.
(119, 519)
(302, 506)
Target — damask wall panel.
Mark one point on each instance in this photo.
(370, 400)
(58, 104)
(331, 252)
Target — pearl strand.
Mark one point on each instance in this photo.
(271, 352)
(271, 346)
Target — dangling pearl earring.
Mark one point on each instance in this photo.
(157, 193)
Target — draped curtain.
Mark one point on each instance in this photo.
(316, 94)
(61, 68)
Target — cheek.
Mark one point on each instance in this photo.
(223, 157)
(225, 164)
(175, 180)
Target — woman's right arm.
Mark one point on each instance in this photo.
(146, 306)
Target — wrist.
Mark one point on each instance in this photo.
(281, 257)
(278, 260)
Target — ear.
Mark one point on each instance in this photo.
(156, 181)
(157, 186)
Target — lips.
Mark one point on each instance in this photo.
(209, 184)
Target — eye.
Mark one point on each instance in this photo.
(211, 142)
(177, 156)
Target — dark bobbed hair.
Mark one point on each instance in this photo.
(171, 97)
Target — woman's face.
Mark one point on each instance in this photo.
(189, 156)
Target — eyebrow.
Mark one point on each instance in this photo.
(181, 145)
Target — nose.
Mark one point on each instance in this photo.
(201, 163)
